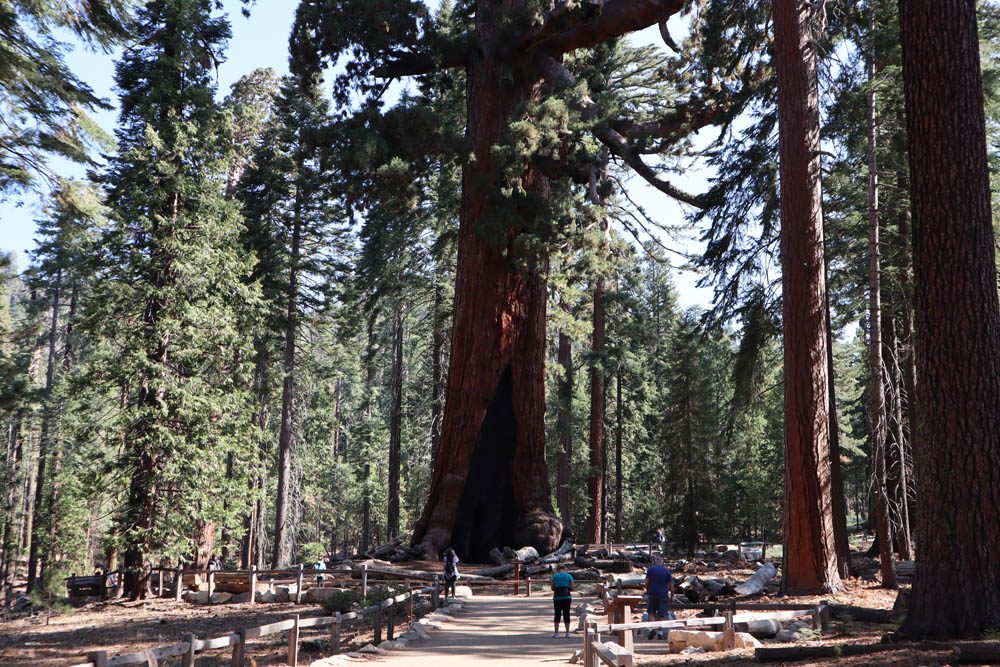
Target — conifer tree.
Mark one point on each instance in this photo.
(171, 286)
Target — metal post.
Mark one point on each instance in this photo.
(159, 584)
(253, 584)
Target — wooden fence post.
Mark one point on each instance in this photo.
(298, 586)
(390, 632)
(178, 584)
(188, 659)
(253, 584)
(517, 577)
(409, 603)
(377, 636)
(293, 643)
(239, 648)
(159, 583)
(99, 658)
(728, 633)
(364, 580)
(335, 634)
(211, 584)
(435, 594)
(527, 583)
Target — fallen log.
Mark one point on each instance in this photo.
(864, 614)
(981, 652)
(399, 573)
(557, 556)
(386, 549)
(761, 629)
(789, 653)
(493, 572)
(758, 581)
(524, 554)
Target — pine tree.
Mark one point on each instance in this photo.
(171, 286)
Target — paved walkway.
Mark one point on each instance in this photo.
(500, 631)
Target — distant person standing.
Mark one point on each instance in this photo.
(562, 597)
(450, 572)
(660, 591)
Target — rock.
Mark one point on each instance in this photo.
(576, 657)
(197, 597)
(693, 649)
(401, 642)
(368, 648)
(387, 645)
(421, 629)
(240, 598)
(332, 661)
(732, 555)
(321, 594)
(221, 598)
(785, 635)
(265, 596)
(463, 591)
(282, 593)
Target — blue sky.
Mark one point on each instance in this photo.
(261, 41)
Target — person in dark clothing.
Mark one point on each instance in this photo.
(660, 592)
(562, 597)
(450, 572)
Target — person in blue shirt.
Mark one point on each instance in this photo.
(660, 591)
(562, 597)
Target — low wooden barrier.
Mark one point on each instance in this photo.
(383, 613)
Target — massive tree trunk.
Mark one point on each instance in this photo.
(956, 591)
(876, 365)
(810, 564)
(490, 487)
(437, 384)
(564, 470)
(395, 426)
(619, 513)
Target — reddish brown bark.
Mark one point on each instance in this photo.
(564, 497)
(598, 466)
(956, 591)
(810, 560)
(490, 486)
(395, 427)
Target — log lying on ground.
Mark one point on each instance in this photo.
(524, 554)
(758, 581)
(493, 572)
(389, 572)
(764, 628)
(864, 614)
(965, 652)
(497, 556)
(386, 549)
(565, 549)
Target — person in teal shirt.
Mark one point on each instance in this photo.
(562, 597)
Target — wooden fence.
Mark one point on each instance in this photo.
(384, 615)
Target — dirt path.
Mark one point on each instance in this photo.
(494, 630)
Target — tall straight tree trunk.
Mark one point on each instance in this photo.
(564, 464)
(254, 545)
(395, 426)
(437, 376)
(282, 554)
(48, 416)
(838, 498)
(491, 486)
(956, 591)
(810, 564)
(619, 514)
(876, 365)
(595, 474)
(899, 452)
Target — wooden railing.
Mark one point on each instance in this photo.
(383, 613)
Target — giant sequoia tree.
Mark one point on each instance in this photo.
(490, 484)
(957, 447)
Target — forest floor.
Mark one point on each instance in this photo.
(124, 627)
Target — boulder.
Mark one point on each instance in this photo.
(463, 591)
(321, 594)
(368, 648)
(240, 598)
(421, 629)
(265, 596)
(197, 597)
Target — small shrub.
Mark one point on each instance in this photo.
(378, 593)
(342, 601)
